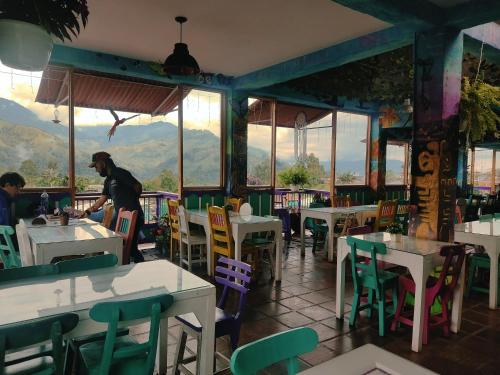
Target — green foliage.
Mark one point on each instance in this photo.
(477, 109)
(58, 17)
(395, 228)
(315, 170)
(294, 175)
(346, 178)
(166, 181)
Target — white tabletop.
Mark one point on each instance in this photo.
(488, 228)
(69, 233)
(404, 243)
(237, 219)
(367, 359)
(44, 296)
(346, 210)
(57, 223)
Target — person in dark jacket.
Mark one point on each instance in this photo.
(123, 189)
(11, 184)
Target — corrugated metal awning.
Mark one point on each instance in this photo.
(259, 112)
(101, 92)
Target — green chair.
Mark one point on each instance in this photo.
(87, 263)
(283, 346)
(486, 217)
(42, 359)
(479, 262)
(8, 254)
(123, 355)
(317, 227)
(13, 274)
(367, 275)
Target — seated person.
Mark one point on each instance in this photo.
(11, 184)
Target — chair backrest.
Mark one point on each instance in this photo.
(173, 218)
(184, 223)
(119, 311)
(23, 241)
(341, 201)
(452, 266)
(221, 236)
(350, 221)
(236, 275)
(13, 274)
(363, 229)
(87, 263)
(386, 213)
(108, 209)
(125, 227)
(282, 346)
(246, 209)
(8, 254)
(486, 217)
(370, 270)
(20, 335)
(458, 215)
(235, 203)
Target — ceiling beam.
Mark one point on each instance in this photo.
(416, 12)
(489, 34)
(473, 13)
(339, 54)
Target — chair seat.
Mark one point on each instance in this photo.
(384, 277)
(192, 322)
(409, 285)
(91, 354)
(197, 238)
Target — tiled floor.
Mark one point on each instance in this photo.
(306, 297)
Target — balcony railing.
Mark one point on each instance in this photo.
(297, 199)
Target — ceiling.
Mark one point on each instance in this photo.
(232, 37)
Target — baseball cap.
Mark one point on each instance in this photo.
(102, 155)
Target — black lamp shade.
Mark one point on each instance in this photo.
(181, 62)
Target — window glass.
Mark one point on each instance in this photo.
(202, 138)
(259, 142)
(483, 159)
(350, 158)
(395, 164)
(319, 152)
(34, 125)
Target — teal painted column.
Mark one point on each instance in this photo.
(236, 184)
(438, 71)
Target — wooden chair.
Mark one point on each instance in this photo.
(341, 201)
(173, 218)
(221, 238)
(108, 209)
(386, 214)
(8, 254)
(403, 214)
(26, 343)
(191, 239)
(125, 227)
(24, 244)
(283, 346)
(235, 203)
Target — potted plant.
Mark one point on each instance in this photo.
(296, 177)
(27, 28)
(162, 234)
(395, 229)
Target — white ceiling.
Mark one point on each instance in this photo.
(232, 37)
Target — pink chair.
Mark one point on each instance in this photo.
(454, 258)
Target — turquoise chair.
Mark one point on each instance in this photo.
(13, 274)
(479, 262)
(497, 215)
(43, 359)
(87, 263)
(122, 354)
(377, 281)
(8, 253)
(283, 346)
(317, 227)
(486, 217)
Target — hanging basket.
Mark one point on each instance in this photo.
(24, 46)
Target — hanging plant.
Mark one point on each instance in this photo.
(479, 107)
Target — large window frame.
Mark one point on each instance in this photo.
(473, 170)
(406, 174)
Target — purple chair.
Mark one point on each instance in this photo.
(284, 216)
(231, 274)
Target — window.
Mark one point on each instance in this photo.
(259, 143)
(319, 152)
(351, 148)
(483, 163)
(470, 162)
(201, 129)
(34, 135)
(396, 162)
(145, 145)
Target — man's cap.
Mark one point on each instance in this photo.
(102, 155)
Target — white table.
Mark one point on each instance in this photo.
(487, 234)
(367, 359)
(77, 292)
(331, 215)
(241, 226)
(419, 256)
(57, 223)
(50, 241)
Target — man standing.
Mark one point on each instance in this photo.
(10, 185)
(123, 189)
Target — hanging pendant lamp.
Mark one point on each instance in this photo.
(180, 62)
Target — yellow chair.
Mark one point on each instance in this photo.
(108, 209)
(235, 203)
(173, 218)
(386, 214)
(343, 201)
